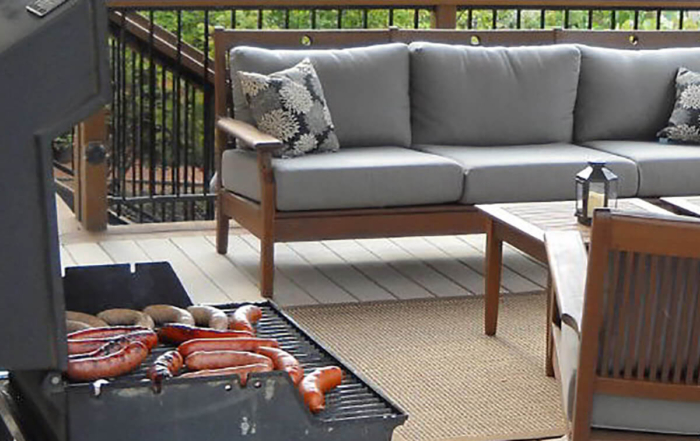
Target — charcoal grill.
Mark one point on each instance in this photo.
(269, 407)
(54, 74)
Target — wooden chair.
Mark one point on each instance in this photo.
(625, 324)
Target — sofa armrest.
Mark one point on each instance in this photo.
(249, 135)
(568, 265)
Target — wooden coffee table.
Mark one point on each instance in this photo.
(689, 205)
(522, 225)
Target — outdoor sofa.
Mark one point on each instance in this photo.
(429, 129)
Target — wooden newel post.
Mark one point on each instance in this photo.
(90, 197)
(444, 17)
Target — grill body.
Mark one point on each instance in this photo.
(268, 408)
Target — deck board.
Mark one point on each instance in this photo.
(200, 288)
(234, 282)
(377, 270)
(343, 274)
(307, 273)
(413, 268)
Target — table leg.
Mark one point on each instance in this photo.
(551, 302)
(494, 260)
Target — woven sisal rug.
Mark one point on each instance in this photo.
(433, 359)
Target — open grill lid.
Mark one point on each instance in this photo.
(54, 75)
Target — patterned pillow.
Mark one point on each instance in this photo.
(684, 124)
(290, 106)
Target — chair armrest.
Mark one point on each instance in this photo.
(249, 135)
(568, 265)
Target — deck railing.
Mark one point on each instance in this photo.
(160, 149)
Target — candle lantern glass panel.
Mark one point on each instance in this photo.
(596, 187)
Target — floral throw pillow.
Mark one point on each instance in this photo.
(684, 124)
(290, 106)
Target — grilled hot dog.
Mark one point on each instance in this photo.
(201, 360)
(104, 332)
(244, 318)
(82, 346)
(314, 386)
(241, 371)
(166, 366)
(162, 314)
(224, 344)
(209, 317)
(178, 333)
(284, 361)
(119, 363)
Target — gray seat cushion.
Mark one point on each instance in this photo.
(367, 177)
(529, 173)
(463, 95)
(625, 94)
(366, 88)
(615, 412)
(664, 169)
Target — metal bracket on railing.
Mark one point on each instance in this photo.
(95, 153)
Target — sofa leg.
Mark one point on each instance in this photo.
(267, 267)
(222, 226)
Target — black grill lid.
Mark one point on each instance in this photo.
(53, 75)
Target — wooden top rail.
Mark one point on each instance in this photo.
(272, 4)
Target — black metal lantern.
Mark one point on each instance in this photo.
(596, 187)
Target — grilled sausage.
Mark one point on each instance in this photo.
(314, 386)
(106, 332)
(72, 326)
(81, 346)
(108, 348)
(114, 365)
(224, 344)
(284, 361)
(162, 314)
(91, 320)
(209, 317)
(178, 333)
(120, 316)
(166, 366)
(244, 318)
(201, 360)
(241, 371)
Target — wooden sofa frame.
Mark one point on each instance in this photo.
(270, 225)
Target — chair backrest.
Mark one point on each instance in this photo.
(640, 333)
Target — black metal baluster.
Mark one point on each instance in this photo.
(566, 19)
(186, 145)
(590, 19)
(233, 19)
(470, 18)
(313, 19)
(365, 18)
(391, 16)
(416, 18)
(193, 143)
(142, 150)
(339, 23)
(114, 112)
(163, 143)
(133, 123)
(176, 110)
(613, 19)
(636, 19)
(260, 20)
(518, 18)
(208, 117)
(680, 19)
(658, 19)
(286, 18)
(152, 116)
(121, 146)
(542, 18)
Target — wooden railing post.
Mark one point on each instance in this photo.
(90, 173)
(444, 17)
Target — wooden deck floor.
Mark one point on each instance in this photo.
(306, 272)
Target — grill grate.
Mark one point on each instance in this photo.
(353, 400)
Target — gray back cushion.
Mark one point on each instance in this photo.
(366, 88)
(477, 96)
(625, 94)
